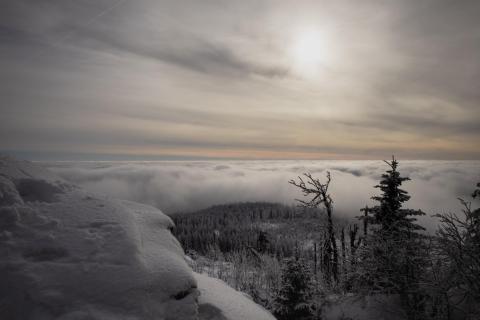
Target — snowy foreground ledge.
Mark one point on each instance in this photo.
(67, 254)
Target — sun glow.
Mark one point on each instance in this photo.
(309, 52)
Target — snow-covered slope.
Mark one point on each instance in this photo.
(218, 301)
(68, 254)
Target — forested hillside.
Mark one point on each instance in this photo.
(304, 262)
(246, 244)
(267, 227)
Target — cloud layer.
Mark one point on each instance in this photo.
(175, 186)
(216, 79)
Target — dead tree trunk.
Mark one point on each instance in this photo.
(344, 254)
(319, 191)
(366, 211)
(327, 258)
(353, 246)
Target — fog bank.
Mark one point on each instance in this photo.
(175, 186)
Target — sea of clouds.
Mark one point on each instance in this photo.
(181, 186)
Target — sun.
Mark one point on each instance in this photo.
(309, 51)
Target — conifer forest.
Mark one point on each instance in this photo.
(297, 261)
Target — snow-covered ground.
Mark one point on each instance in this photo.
(218, 301)
(68, 254)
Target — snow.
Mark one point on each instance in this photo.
(68, 254)
(218, 301)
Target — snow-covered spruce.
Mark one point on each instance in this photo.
(68, 254)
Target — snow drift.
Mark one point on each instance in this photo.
(68, 254)
(218, 301)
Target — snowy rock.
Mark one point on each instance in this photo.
(67, 254)
(70, 255)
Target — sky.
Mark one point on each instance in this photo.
(151, 79)
(185, 186)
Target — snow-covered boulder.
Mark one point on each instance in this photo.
(67, 254)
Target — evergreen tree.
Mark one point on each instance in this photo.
(392, 259)
(476, 193)
(295, 297)
(389, 214)
(262, 241)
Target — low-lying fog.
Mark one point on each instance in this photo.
(175, 186)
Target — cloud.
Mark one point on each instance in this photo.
(186, 51)
(121, 28)
(175, 186)
(214, 79)
(221, 167)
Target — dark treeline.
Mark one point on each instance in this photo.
(291, 259)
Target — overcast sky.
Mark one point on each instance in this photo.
(99, 79)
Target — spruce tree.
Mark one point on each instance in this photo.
(389, 214)
(392, 259)
(295, 298)
(262, 241)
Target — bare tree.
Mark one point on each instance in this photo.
(459, 242)
(312, 187)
